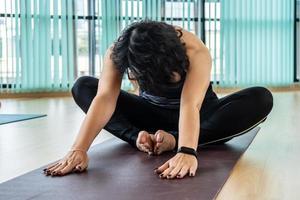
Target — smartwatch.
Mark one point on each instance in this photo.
(187, 150)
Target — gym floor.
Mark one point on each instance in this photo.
(269, 169)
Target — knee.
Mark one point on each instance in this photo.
(263, 99)
(78, 85)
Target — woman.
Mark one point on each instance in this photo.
(176, 107)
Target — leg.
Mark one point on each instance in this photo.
(132, 113)
(84, 91)
(235, 114)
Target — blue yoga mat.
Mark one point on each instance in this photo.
(9, 118)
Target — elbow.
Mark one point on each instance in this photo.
(194, 106)
(198, 106)
(206, 55)
(209, 58)
(203, 53)
(107, 100)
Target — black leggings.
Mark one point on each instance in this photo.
(220, 119)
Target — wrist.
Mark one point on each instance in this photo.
(187, 150)
(78, 149)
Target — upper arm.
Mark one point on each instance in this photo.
(198, 75)
(110, 79)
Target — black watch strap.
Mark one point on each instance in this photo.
(187, 150)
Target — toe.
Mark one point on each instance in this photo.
(159, 138)
(164, 142)
(159, 135)
(144, 141)
(141, 139)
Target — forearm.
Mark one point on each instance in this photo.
(189, 126)
(100, 111)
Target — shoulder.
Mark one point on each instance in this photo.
(192, 41)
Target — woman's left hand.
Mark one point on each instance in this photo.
(178, 166)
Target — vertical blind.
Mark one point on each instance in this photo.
(257, 42)
(40, 50)
(251, 41)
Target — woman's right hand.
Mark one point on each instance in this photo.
(74, 161)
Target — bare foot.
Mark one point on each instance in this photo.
(164, 141)
(145, 142)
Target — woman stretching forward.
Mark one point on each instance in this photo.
(176, 108)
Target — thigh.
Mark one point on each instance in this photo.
(237, 113)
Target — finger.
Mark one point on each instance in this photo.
(165, 173)
(174, 172)
(55, 171)
(68, 168)
(77, 169)
(162, 167)
(50, 167)
(80, 167)
(193, 170)
(184, 170)
(48, 172)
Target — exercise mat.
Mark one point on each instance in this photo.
(119, 172)
(9, 118)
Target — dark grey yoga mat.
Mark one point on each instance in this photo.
(9, 118)
(119, 172)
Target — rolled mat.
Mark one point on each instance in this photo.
(118, 171)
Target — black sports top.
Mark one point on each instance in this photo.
(171, 97)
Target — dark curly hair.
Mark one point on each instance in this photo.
(150, 51)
